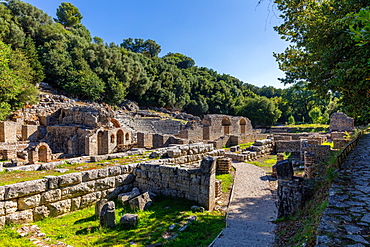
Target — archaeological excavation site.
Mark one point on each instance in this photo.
(140, 154)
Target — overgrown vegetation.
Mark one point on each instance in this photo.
(300, 229)
(299, 128)
(63, 53)
(227, 181)
(81, 228)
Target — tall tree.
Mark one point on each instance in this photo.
(68, 15)
(323, 52)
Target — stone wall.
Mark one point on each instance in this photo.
(341, 122)
(56, 195)
(8, 131)
(288, 146)
(216, 126)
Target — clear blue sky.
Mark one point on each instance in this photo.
(234, 37)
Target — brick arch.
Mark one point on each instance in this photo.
(242, 124)
(226, 125)
(39, 153)
(115, 123)
(120, 137)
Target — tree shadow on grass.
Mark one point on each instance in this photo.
(163, 213)
(91, 218)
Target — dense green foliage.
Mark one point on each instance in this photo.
(324, 53)
(63, 53)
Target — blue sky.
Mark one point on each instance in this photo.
(234, 37)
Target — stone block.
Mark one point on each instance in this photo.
(40, 213)
(53, 182)
(70, 179)
(284, 170)
(114, 171)
(105, 183)
(207, 164)
(29, 202)
(125, 197)
(51, 196)
(90, 199)
(2, 192)
(124, 179)
(75, 203)
(108, 215)
(59, 208)
(98, 158)
(19, 217)
(129, 220)
(94, 174)
(141, 202)
(99, 205)
(78, 190)
(25, 188)
(2, 208)
(11, 206)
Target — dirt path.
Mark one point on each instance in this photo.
(251, 210)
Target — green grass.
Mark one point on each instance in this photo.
(82, 228)
(22, 176)
(227, 181)
(246, 145)
(331, 144)
(308, 128)
(10, 238)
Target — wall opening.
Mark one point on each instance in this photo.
(43, 153)
(111, 138)
(127, 137)
(226, 125)
(100, 142)
(120, 137)
(243, 123)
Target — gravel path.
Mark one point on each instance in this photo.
(251, 210)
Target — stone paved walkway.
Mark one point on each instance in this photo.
(251, 210)
(346, 221)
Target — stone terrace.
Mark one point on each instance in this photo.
(346, 220)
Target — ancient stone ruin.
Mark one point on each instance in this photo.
(341, 122)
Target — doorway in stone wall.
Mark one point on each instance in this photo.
(243, 123)
(100, 142)
(43, 154)
(226, 125)
(120, 139)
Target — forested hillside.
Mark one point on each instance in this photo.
(61, 51)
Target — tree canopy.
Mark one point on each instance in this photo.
(68, 15)
(324, 53)
(63, 54)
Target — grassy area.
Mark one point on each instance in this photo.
(227, 181)
(266, 162)
(21, 176)
(331, 144)
(81, 228)
(308, 128)
(10, 238)
(246, 145)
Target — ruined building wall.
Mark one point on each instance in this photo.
(341, 122)
(56, 195)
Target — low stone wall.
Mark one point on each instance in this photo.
(56, 195)
(288, 146)
(340, 143)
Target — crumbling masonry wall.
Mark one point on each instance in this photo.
(56, 195)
